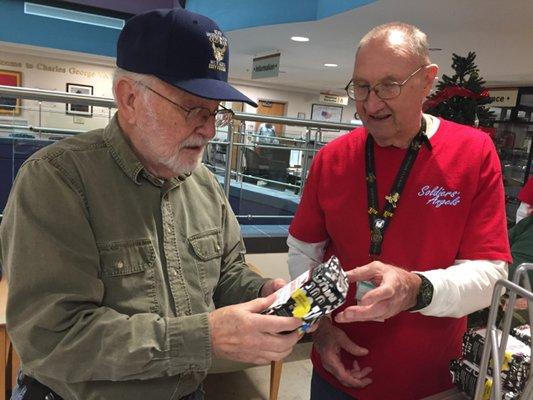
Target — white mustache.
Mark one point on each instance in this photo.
(194, 142)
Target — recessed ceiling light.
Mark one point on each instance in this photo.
(300, 38)
(331, 65)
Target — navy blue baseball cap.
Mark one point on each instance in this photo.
(182, 48)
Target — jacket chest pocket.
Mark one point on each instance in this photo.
(207, 249)
(127, 271)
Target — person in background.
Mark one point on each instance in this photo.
(521, 234)
(124, 260)
(526, 201)
(411, 204)
(521, 241)
(267, 134)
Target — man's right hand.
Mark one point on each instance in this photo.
(240, 333)
(330, 341)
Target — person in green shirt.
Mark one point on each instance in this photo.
(521, 241)
(124, 261)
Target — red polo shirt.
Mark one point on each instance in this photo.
(452, 207)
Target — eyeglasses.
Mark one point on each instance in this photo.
(384, 90)
(199, 115)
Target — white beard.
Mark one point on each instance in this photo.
(158, 152)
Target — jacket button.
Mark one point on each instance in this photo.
(49, 396)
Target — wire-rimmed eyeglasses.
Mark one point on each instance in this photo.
(199, 115)
(384, 90)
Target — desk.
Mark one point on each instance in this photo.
(10, 361)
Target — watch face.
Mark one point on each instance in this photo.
(425, 293)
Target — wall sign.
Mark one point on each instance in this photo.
(503, 97)
(266, 66)
(333, 99)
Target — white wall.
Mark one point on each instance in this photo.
(53, 73)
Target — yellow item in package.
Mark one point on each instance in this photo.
(313, 294)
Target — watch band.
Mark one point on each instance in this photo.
(425, 294)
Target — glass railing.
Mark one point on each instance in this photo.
(262, 177)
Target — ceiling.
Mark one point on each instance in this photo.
(500, 32)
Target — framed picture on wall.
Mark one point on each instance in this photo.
(79, 109)
(321, 112)
(10, 106)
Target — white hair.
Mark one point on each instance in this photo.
(120, 73)
(414, 40)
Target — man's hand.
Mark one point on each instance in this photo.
(396, 291)
(239, 333)
(329, 342)
(271, 286)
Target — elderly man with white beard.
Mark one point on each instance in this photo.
(121, 250)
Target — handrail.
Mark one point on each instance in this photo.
(310, 146)
(307, 123)
(17, 92)
(43, 129)
(64, 97)
(280, 138)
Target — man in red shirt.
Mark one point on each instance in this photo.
(413, 204)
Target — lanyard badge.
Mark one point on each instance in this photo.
(378, 221)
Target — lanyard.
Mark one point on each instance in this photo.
(379, 221)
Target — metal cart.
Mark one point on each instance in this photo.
(520, 285)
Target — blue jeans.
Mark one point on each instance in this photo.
(322, 390)
(198, 394)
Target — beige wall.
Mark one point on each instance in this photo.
(296, 102)
(53, 74)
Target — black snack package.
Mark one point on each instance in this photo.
(465, 376)
(516, 363)
(313, 294)
(522, 333)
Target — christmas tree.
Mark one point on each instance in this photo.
(461, 98)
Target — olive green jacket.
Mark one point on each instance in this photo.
(112, 272)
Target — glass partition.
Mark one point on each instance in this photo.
(513, 137)
(29, 127)
(263, 175)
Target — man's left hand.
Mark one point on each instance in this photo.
(271, 286)
(396, 290)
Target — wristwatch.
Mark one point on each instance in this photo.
(425, 294)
